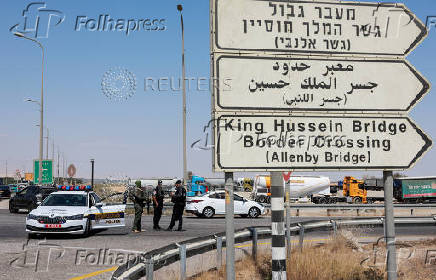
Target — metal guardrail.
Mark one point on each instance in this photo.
(358, 206)
(342, 206)
(149, 262)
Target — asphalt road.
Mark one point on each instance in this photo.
(67, 257)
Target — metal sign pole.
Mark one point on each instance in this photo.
(288, 216)
(230, 227)
(278, 245)
(391, 262)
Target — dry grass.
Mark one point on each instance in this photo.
(104, 190)
(416, 269)
(244, 270)
(335, 260)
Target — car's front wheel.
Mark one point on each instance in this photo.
(87, 228)
(12, 209)
(31, 206)
(208, 212)
(254, 212)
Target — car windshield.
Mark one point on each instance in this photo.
(65, 200)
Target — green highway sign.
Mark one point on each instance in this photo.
(47, 172)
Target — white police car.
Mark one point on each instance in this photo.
(74, 209)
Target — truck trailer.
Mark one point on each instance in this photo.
(415, 190)
(301, 186)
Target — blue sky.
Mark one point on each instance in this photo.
(139, 137)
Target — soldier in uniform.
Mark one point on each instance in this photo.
(138, 197)
(158, 200)
(179, 200)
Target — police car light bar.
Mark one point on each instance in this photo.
(75, 188)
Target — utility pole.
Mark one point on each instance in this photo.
(46, 152)
(6, 178)
(53, 149)
(185, 167)
(58, 167)
(63, 167)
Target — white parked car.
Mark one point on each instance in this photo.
(73, 211)
(213, 203)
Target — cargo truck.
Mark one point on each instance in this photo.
(354, 189)
(245, 184)
(415, 190)
(301, 186)
(197, 186)
(359, 191)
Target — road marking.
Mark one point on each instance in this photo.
(95, 273)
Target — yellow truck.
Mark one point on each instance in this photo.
(355, 189)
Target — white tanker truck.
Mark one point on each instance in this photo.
(301, 186)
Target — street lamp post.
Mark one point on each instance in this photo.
(185, 168)
(92, 173)
(41, 131)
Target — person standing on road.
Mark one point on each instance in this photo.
(138, 197)
(158, 200)
(179, 200)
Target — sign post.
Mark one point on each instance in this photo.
(278, 243)
(230, 227)
(391, 266)
(71, 172)
(287, 187)
(340, 102)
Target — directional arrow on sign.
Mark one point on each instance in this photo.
(271, 83)
(316, 27)
(317, 142)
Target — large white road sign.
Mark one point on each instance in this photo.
(317, 84)
(315, 27)
(305, 143)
